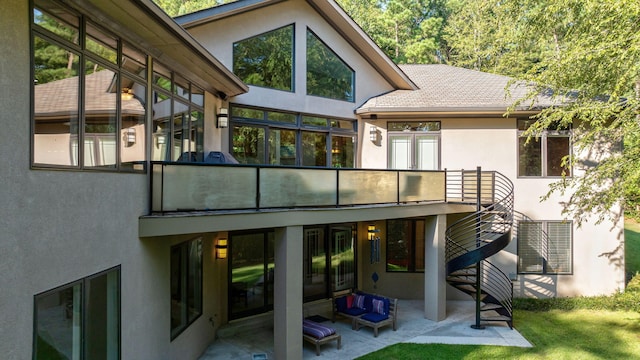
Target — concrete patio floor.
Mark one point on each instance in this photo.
(412, 328)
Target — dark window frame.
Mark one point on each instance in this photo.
(83, 283)
(543, 137)
(413, 255)
(184, 248)
(263, 122)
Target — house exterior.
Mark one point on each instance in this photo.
(140, 244)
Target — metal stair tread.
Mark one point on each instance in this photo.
(496, 318)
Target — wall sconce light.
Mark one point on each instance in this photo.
(129, 137)
(223, 118)
(221, 249)
(373, 133)
(374, 244)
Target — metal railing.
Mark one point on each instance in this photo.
(179, 187)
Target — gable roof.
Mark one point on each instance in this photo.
(144, 24)
(449, 89)
(330, 12)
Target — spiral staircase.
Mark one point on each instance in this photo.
(478, 236)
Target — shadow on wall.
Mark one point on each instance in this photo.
(535, 286)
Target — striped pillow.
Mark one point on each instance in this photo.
(358, 301)
(378, 306)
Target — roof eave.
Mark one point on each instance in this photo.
(144, 24)
(470, 111)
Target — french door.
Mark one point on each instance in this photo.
(414, 151)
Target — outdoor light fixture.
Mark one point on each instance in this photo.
(373, 133)
(221, 249)
(127, 94)
(129, 137)
(374, 244)
(223, 118)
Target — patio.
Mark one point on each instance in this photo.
(412, 328)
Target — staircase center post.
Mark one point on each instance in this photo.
(477, 325)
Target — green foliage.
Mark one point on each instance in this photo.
(632, 251)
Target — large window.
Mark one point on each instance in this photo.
(251, 273)
(266, 60)
(405, 245)
(329, 260)
(263, 136)
(542, 155)
(80, 320)
(186, 284)
(327, 75)
(545, 247)
(89, 94)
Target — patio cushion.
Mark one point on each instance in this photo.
(316, 330)
(354, 311)
(358, 301)
(373, 317)
(341, 304)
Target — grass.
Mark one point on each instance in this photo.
(601, 327)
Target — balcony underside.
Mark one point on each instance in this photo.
(193, 222)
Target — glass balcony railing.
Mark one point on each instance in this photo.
(213, 187)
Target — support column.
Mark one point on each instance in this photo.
(287, 298)
(435, 284)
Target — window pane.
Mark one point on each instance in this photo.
(530, 157)
(101, 43)
(343, 266)
(197, 95)
(427, 156)
(133, 129)
(342, 124)
(398, 245)
(530, 247)
(342, 152)
(281, 117)
(181, 87)
(282, 147)
(181, 141)
(414, 126)
(186, 284)
(100, 116)
(103, 316)
(247, 113)
(559, 260)
(557, 148)
(194, 280)
(327, 75)
(55, 104)
(314, 121)
(161, 77)
(400, 152)
(58, 324)
(161, 127)
(247, 272)
(50, 16)
(314, 149)
(266, 59)
(315, 264)
(134, 61)
(249, 145)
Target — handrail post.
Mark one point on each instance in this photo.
(477, 325)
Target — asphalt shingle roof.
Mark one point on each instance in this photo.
(450, 89)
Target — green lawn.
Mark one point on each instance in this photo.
(632, 247)
(576, 334)
(603, 327)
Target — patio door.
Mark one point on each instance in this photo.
(411, 151)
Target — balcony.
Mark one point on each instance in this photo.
(179, 187)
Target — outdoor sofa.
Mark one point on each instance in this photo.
(365, 309)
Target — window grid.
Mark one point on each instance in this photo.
(541, 155)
